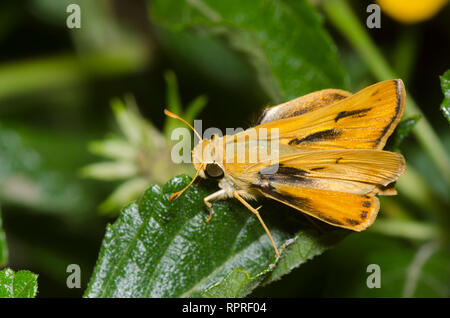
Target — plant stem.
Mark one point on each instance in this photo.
(405, 52)
(343, 18)
(417, 231)
(424, 253)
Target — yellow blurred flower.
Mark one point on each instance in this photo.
(411, 11)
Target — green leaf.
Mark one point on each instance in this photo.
(158, 248)
(294, 252)
(403, 129)
(3, 246)
(302, 248)
(22, 284)
(173, 96)
(238, 283)
(194, 108)
(445, 84)
(174, 105)
(284, 40)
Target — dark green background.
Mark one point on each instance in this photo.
(44, 133)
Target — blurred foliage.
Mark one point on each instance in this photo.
(445, 82)
(143, 157)
(403, 129)
(279, 46)
(3, 245)
(341, 272)
(41, 179)
(56, 88)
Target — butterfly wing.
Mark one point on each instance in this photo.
(303, 105)
(335, 186)
(361, 121)
(347, 210)
(367, 166)
(330, 164)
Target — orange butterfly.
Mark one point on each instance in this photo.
(329, 162)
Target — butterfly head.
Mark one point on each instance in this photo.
(205, 158)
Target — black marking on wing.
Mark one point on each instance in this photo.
(317, 168)
(281, 115)
(288, 113)
(336, 96)
(398, 102)
(283, 174)
(331, 220)
(364, 214)
(356, 112)
(353, 222)
(302, 203)
(331, 99)
(339, 159)
(282, 169)
(366, 204)
(317, 136)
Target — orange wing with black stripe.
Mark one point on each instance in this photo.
(335, 186)
(361, 121)
(330, 164)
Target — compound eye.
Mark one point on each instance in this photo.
(214, 171)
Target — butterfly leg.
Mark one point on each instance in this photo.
(216, 195)
(255, 211)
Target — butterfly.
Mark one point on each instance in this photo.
(329, 162)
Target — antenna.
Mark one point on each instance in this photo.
(177, 194)
(170, 114)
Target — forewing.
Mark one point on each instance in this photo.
(361, 121)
